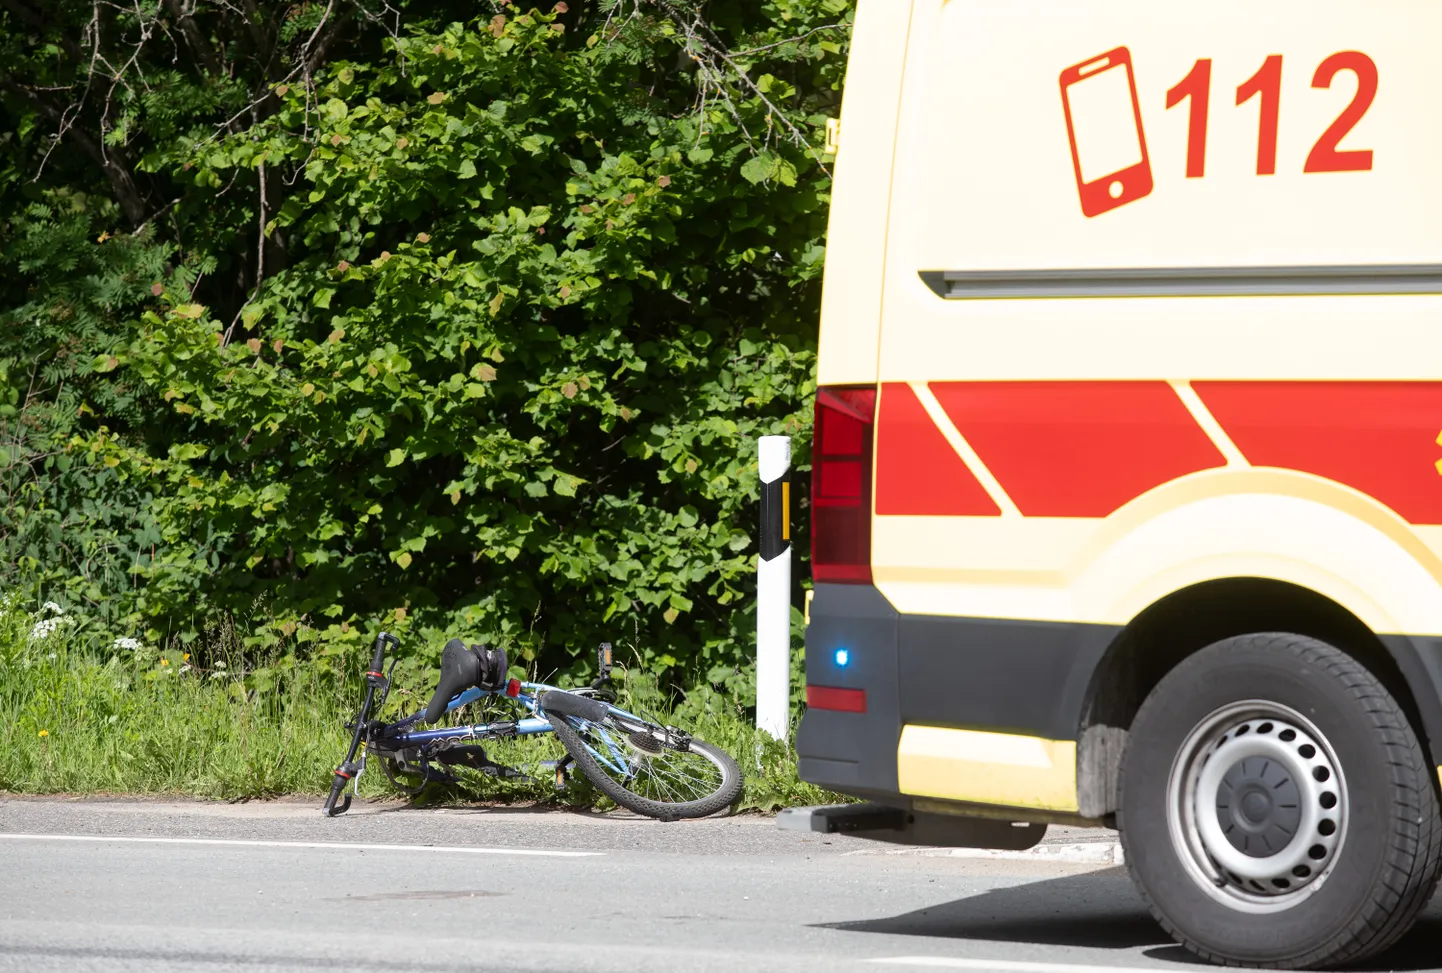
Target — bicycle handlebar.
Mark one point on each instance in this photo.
(336, 787)
(379, 658)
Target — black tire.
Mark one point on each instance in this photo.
(725, 794)
(1379, 864)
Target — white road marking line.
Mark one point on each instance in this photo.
(1010, 966)
(337, 845)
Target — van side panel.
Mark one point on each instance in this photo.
(856, 233)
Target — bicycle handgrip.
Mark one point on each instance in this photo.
(379, 658)
(337, 785)
(569, 704)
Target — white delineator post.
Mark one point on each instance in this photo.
(773, 590)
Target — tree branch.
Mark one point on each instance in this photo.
(199, 47)
(113, 162)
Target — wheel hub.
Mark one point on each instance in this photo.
(1258, 805)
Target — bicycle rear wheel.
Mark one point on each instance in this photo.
(657, 772)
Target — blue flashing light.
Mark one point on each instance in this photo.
(843, 658)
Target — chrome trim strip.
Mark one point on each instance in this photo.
(1185, 282)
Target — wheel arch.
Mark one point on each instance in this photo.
(1187, 620)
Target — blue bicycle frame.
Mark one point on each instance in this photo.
(399, 736)
(391, 738)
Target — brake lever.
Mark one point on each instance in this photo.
(386, 692)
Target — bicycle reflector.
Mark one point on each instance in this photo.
(841, 484)
(513, 688)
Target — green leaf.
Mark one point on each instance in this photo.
(396, 457)
(759, 168)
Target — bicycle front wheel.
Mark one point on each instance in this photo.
(652, 772)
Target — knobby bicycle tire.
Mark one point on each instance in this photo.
(723, 797)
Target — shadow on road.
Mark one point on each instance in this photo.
(1417, 950)
(1101, 910)
(1097, 909)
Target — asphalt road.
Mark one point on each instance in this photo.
(158, 887)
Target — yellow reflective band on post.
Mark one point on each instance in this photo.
(786, 510)
(987, 768)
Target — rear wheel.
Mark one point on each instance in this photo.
(654, 772)
(1276, 807)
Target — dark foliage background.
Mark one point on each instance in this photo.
(437, 315)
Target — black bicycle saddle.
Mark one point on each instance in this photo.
(461, 668)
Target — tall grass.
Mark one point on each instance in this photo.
(81, 716)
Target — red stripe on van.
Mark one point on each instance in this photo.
(917, 471)
(1376, 437)
(1078, 449)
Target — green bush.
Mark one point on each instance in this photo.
(69, 528)
(469, 325)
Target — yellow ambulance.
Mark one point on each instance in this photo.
(1126, 500)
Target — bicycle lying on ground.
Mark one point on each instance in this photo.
(659, 771)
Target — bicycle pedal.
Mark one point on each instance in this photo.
(562, 777)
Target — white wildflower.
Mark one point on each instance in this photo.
(47, 627)
(128, 644)
(44, 627)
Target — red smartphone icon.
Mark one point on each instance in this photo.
(1104, 124)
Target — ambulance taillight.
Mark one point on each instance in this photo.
(841, 484)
